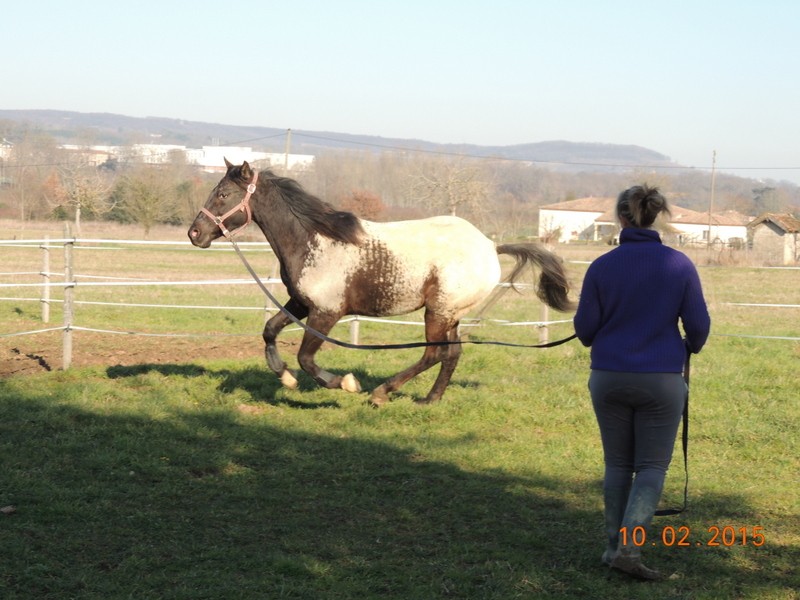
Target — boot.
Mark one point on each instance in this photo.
(615, 500)
(629, 561)
(639, 512)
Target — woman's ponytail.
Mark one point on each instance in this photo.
(639, 206)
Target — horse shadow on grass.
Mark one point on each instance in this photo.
(260, 384)
(168, 370)
(264, 386)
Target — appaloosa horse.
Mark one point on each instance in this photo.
(334, 264)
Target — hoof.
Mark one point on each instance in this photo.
(378, 398)
(288, 380)
(350, 383)
(429, 399)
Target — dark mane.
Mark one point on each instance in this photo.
(314, 214)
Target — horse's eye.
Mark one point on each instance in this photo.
(223, 195)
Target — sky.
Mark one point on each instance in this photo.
(684, 78)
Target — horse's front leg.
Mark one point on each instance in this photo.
(322, 323)
(271, 330)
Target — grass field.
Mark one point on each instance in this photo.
(200, 477)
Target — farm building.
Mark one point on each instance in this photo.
(776, 237)
(576, 220)
(692, 227)
(593, 219)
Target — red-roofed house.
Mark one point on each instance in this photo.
(593, 219)
(776, 237)
(575, 220)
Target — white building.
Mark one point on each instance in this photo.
(208, 158)
(573, 220)
(776, 237)
(5, 148)
(729, 227)
(155, 154)
(593, 219)
(212, 158)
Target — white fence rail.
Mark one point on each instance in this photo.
(70, 284)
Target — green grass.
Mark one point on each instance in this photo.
(206, 479)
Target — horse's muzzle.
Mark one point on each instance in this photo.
(199, 237)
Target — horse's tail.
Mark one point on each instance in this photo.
(553, 288)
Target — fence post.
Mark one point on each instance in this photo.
(66, 351)
(354, 330)
(544, 332)
(276, 272)
(46, 280)
(271, 288)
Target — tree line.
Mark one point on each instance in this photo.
(40, 180)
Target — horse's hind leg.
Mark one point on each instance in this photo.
(380, 395)
(271, 330)
(450, 354)
(435, 331)
(322, 323)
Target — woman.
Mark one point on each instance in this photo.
(630, 304)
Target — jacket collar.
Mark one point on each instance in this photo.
(634, 234)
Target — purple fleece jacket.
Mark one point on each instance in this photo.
(631, 300)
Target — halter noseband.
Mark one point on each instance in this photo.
(243, 206)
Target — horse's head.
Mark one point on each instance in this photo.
(228, 206)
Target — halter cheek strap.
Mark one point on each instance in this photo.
(243, 206)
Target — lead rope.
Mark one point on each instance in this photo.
(331, 340)
(664, 512)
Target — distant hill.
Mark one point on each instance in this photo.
(110, 129)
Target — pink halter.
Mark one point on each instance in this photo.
(243, 206)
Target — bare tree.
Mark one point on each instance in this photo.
(767, 198)
(549, 232)
(148, 197)
(190, 187)
(84, 187)
(191, 194)
(31, 161)
(450, 186)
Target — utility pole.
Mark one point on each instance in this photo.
(286, 153)
(711, 200)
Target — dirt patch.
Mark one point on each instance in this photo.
(40, 353)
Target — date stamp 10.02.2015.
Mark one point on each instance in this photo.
(683, 536)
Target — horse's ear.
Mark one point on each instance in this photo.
(247, 172)
(228, 163)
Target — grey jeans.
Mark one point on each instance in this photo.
(638, 414)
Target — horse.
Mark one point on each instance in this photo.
(335, 264)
